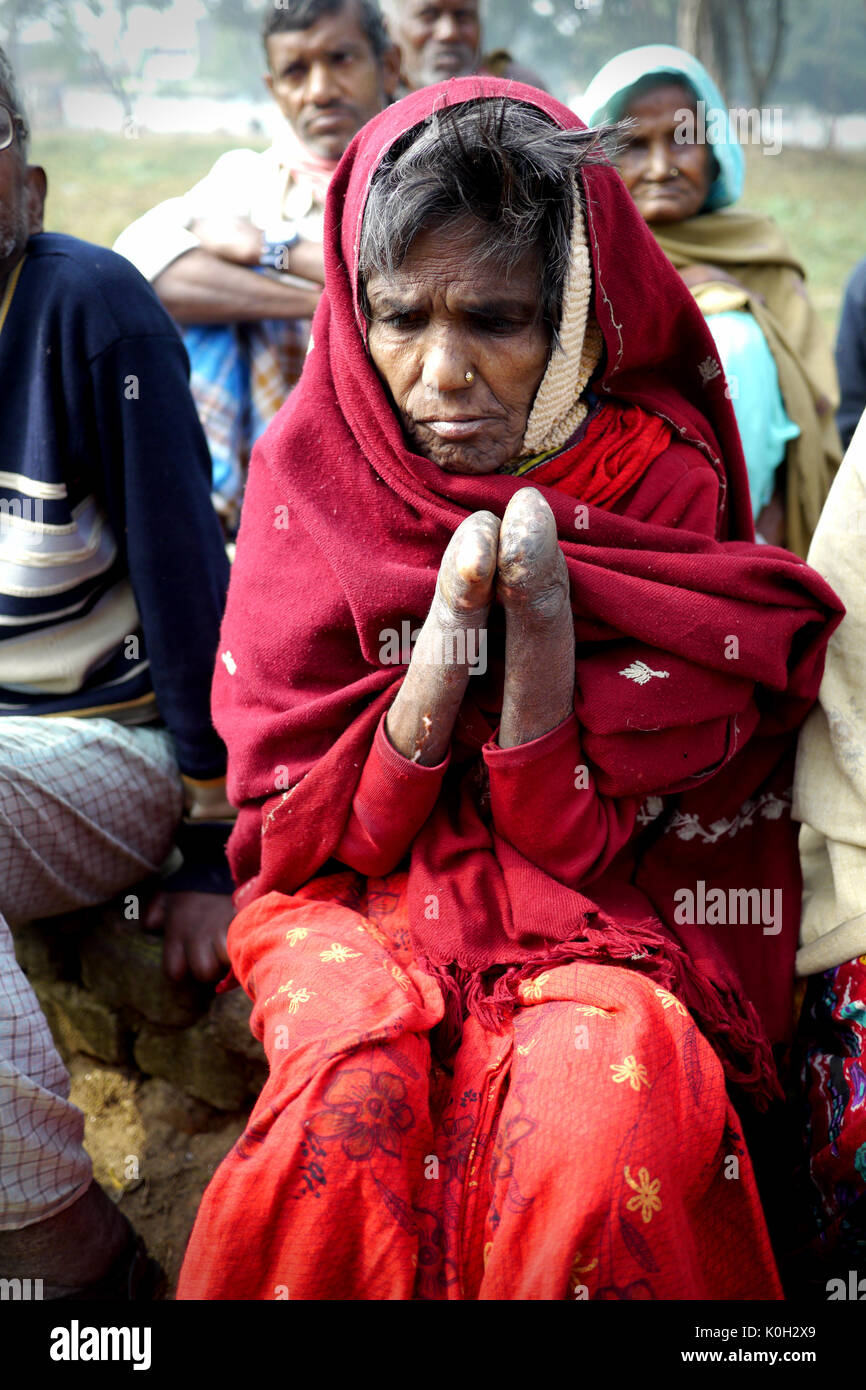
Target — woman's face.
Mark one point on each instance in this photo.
(668, 181)
(445, 314)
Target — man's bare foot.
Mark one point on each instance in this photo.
(194, 926)
(450, 645)
(74, 1248)
(539, 645)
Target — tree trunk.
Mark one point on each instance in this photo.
(761, 75)
(702, 31)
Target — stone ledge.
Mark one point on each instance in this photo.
(99, 981)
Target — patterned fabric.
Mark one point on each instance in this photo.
(87, 808)
(587, 1151)
(240, 375)
(833, 1025)
(43, 1165)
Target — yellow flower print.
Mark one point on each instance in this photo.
(370, 929)
(646, 1199)
(525, 1048)
(580, 1267)
(338, 953)
(296, 996)
(632, 1071)
(591, 1011)
(297, 934)
(670, 1001)
(531, 989)
(399, 975)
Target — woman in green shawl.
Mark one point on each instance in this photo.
(684, 169)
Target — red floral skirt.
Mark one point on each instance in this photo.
(588, 1151)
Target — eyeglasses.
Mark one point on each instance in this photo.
(11, 124)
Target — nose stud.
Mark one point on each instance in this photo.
(674, 172)
(470, 377)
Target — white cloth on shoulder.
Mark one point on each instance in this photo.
(830, 781)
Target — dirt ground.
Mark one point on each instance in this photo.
(154, 1150)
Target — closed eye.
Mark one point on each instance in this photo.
(490, 323)
(409, 319)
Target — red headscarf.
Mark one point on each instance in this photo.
(342, 534)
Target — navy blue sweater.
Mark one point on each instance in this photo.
(105, 507)
(851, 354)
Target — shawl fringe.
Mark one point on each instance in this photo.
(727, 1020)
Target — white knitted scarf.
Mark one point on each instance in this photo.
(558, 408)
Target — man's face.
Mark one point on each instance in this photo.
(437, 39)
(22, 194)
(327, 81)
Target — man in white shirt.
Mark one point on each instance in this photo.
(237, 260)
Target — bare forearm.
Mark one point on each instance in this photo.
(236, 239)
(421, 719)
(539, 680)
(202, 288)
(538, 693)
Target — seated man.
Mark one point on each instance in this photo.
(439, 39)
(851, 354)
(330, 68)
(112, 583)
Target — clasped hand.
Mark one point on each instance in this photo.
(519, 563)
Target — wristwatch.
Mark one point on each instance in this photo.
(278, 243)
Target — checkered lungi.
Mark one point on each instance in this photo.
(240, 375)
(87, 808)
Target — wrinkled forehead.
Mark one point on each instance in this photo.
(372, 144)
(663, 95)
(399, 13)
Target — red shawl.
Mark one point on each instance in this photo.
(342, 533)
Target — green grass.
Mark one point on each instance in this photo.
(816, 197)
(99, 183)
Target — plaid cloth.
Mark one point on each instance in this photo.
(87, 808)
(240, 376)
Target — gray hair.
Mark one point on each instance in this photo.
(497, 160)
(10, 94)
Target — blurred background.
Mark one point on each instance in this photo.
(132, 102)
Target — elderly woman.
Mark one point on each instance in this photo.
(489, 739)
(684, 168)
